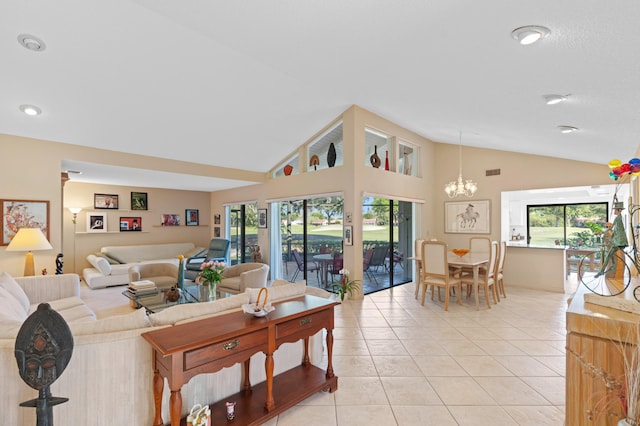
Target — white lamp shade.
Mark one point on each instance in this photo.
(75, 210)
(29, 239)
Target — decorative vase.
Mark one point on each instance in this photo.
(181, 273)
(331, 155)
(173, 294)
(386, 160)
(375, 159)
(288, 169)
(212, 289)
(624, 422)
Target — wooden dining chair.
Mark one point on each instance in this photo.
(487, 277)
(417, 257)
(435, 272)
(476, 245)
(500, 269)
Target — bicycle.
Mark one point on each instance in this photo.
(614, 275)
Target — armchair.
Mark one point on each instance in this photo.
(237, 278)
(218, 250)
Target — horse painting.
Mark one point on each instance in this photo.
(468, 219)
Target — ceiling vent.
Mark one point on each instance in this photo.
(492, 172)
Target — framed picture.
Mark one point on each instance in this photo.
(216, 219)
(105, 201)
(139, 201)
(467, 217)
(18, 214)
(170, 220)
(191, 217)
(262, 218)
(130, 224)
(348, 235)
(96, 222)
(216, 232)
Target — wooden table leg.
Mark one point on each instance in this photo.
(158, 387)
(329, 353)
(305, 358)
(475, 286)
(246, 387)
(270, 403)
(175, 407)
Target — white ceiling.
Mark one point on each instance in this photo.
(243, 83)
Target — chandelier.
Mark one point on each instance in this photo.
(460, 187)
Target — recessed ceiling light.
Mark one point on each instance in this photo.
(30, 110)
(555, 99)
(31, 42)
(567, 129)
(529, 34)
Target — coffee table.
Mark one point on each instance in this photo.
(156, 302)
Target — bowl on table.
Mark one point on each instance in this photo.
(460, 252)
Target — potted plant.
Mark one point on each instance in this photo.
(346, 285)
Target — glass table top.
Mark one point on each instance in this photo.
(157, 300)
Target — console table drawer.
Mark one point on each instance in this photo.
(225, 348)
(301, 326)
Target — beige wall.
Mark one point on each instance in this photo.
(161, 201)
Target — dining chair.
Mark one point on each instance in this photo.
(336, 264)
(311, 266)
(487, 277)
(476, 245)
(435, 272)
(500, 269)
(417, 257)
(366, 264)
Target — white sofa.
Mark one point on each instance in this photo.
(110, 267)
(109, 378)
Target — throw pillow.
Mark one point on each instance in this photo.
(10, 308)
(177, 313)
(100, 263)
(8, 283)
(134, 320)
(109, 259)
(279, 291)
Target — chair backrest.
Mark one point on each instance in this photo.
(434, 258)
(379, 255)
(366, 261)
(501, 256)
(338, 262)
(218, 248)
(298, 259)
(493, 259)
(417, 248)
(480, 244)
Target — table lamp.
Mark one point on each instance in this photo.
(29, 239)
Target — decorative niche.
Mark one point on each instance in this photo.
(408, 158)
(289, 167)
(378, 148)
(327, 150)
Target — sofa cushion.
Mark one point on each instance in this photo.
(279, 291)
(111, 260)
(72, 309)
(134, 320)
(100, 263)
(194, 311)
(10, 309)
(143, 252)
(8, 283)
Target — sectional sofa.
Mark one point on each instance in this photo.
(110, 266)
(109, 378)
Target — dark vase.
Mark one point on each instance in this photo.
(331, 155)
(374, 159)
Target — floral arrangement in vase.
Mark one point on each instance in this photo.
(211, 272)
(346, 285)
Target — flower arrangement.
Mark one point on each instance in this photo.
(211, 271)
(346, 285)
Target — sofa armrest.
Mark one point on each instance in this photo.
(44, 288)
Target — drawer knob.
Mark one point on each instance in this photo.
(305, 321)
(231, 345)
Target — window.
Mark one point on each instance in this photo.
(575, 225)
(326, 151)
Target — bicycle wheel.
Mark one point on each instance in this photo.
(612, 278)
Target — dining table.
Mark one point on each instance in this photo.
(473, 260)
(323, 260)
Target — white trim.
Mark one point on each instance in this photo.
(305, 197)
(394, 197)
(240, 203)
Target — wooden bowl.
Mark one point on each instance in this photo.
(460, 252)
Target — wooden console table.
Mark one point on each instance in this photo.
(206, 346)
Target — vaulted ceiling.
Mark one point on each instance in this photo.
(243, 83)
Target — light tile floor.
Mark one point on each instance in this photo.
(400, 363)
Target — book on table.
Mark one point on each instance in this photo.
(142, 287)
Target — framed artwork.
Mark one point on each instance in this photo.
(348, 235)
(130, 224)
(139, 201)
(216, 219)
(105, 201)
(216, 232)
(191, 217)
(96, 222)
(262, 218)
(467, 217)
(18, 214)
(170, 220)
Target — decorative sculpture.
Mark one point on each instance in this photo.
(331, 155)
(59, 263)
(43, 349)
(375, 159)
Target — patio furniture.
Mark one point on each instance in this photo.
(310, 266)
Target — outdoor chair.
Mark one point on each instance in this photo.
(310, 266)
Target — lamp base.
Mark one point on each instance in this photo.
(29, 268)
